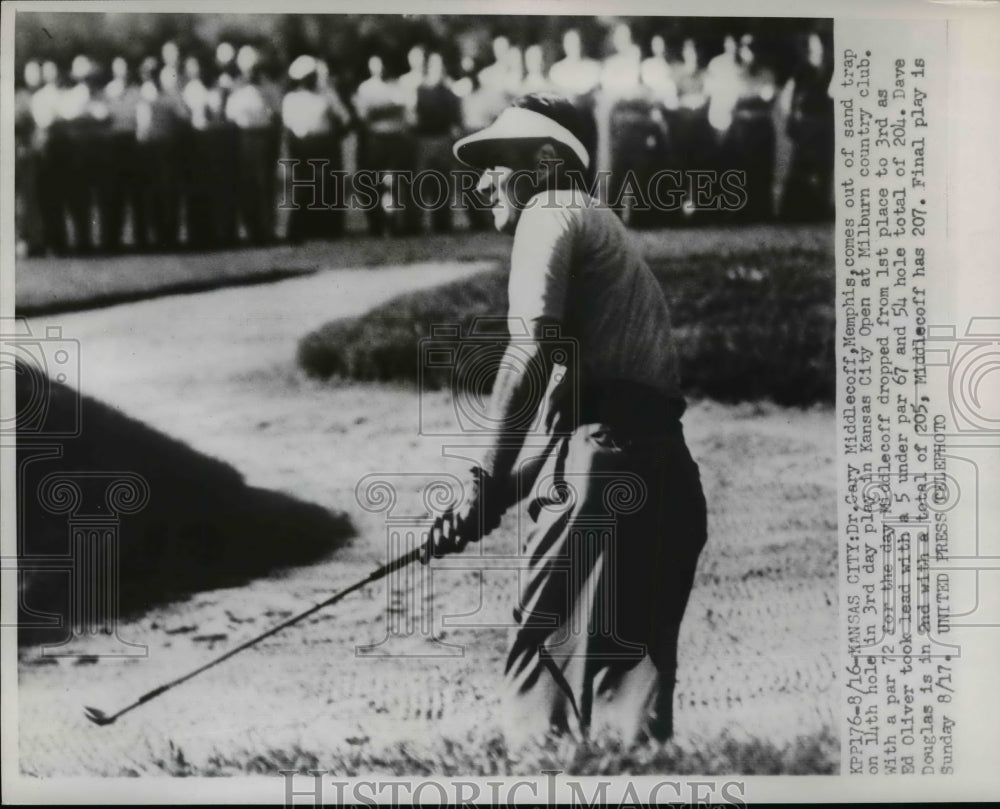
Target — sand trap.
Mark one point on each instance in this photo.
(216, 370)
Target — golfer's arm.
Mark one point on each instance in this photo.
(516, 392)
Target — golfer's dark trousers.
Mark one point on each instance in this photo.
(619, 521)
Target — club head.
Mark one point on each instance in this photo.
(98, 717)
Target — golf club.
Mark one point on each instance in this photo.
(99, 717)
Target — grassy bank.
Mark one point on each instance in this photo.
(750, 325)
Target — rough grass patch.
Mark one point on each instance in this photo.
(486, 753)
(749, 326)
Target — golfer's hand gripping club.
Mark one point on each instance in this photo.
(466, 521)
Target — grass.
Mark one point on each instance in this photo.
(47, 285)
(750, 325)
(816, 754)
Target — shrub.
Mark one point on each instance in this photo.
(384, 344)
(752, 325)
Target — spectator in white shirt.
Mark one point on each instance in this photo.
(408, 83)
(722, 83)
(385, 148)
(575, 75)
(170, 73)
(312, 127)
(657, 76)
(689, 77)
(494, 76)
(535, 80)
(248, 108)
(620, 71)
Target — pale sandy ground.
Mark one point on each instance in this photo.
(217, 371)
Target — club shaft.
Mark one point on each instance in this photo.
(385, 570)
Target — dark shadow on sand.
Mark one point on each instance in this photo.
(202, 526)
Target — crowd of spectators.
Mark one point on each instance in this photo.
(182, 150)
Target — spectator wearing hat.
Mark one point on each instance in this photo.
(312, 127)
(385, 150)
(249, 108)
(121, 189)
(50, 147)
(439, 122)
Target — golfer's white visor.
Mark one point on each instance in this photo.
(515, 123)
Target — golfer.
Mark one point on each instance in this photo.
(618, 514)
